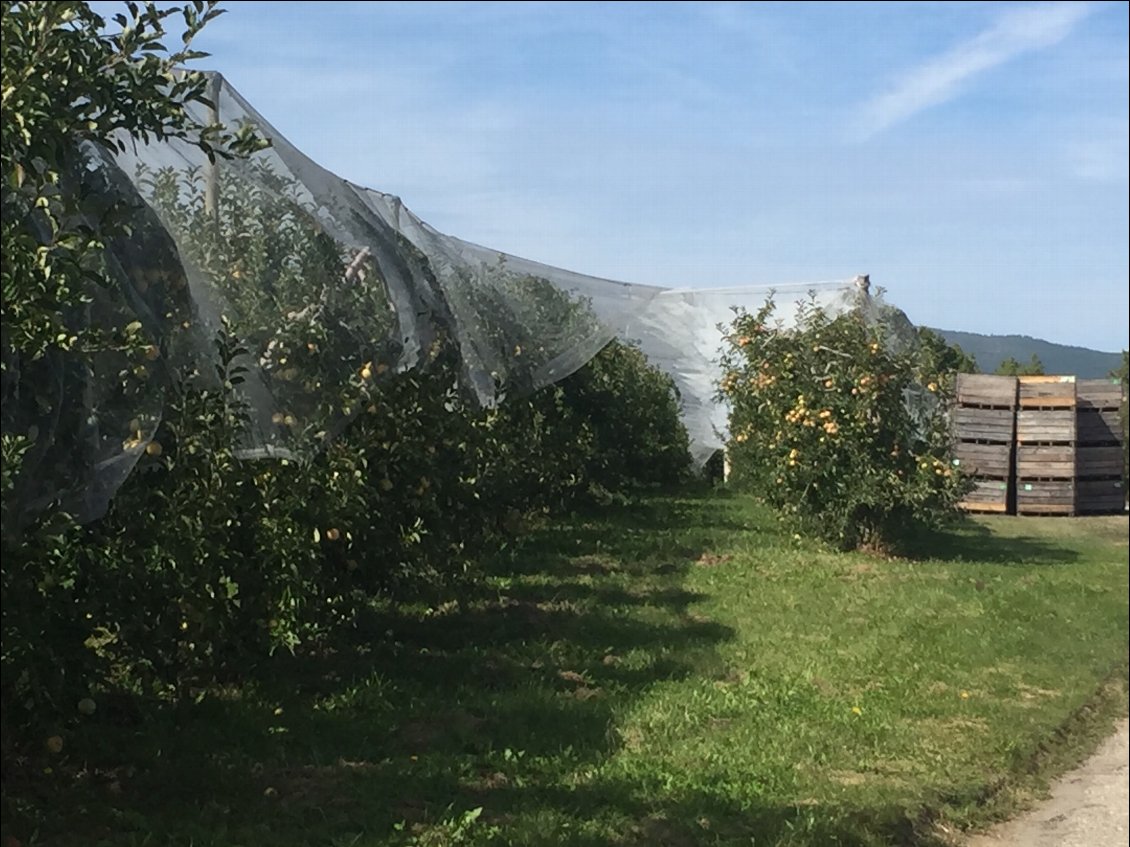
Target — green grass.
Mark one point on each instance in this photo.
(676, 673)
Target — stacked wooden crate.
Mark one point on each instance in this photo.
(1098, 459)
(984, 426)
(1045, 445)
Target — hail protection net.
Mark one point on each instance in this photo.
(329, 288)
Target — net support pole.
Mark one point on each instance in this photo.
(212, 167)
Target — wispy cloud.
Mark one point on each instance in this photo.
(941, 79)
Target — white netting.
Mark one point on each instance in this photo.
(330, 285)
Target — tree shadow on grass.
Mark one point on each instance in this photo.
(972, 541)
(684, 818)
(509, 698)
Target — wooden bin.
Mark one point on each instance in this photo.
(1097, 411)
(1045, 426)
(1099, 394)
(995, 426)
(1047, 410)
(1098, 426)
(1102, 462)
(992, 461)
(1045, 496)
(1046, 392)
(984, 428)
(1045, 461)
(1099, 496)
(988, 495)
(1045, 479)
(986, 391)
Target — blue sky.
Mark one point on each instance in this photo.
(971, 157)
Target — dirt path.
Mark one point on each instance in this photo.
(1087, 807)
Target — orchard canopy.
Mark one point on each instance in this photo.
(330, 286)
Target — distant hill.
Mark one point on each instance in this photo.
(991, 350)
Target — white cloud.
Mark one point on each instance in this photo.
(941, 78)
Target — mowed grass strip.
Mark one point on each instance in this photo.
(681, 672)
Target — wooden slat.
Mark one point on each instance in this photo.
(972, 506)
(1051, 490)
(1092, 462)
(1035, 380)
(1048, 401)
(986, 390)
(983, 460)
(1045, 509)
(1043, 425)
(984, 424)
(1095, 426)
(1045, 462)
(1099, 393)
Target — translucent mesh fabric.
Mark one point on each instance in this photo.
(682, 331)
(330, 286)
(88, 417)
